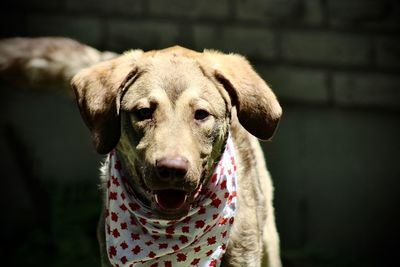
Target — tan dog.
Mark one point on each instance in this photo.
(168, 113)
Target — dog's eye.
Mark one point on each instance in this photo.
(201, 114)
(144, 114)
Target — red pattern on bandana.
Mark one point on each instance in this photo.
(135, 237)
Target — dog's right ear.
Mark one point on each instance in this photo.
(98, 90)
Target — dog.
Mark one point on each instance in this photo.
(184, 179)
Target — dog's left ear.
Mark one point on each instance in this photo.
(98, 90)
(258, 109)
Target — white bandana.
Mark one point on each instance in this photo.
(135, 237)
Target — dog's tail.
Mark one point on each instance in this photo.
(45, 62)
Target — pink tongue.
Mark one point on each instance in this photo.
(171, 199)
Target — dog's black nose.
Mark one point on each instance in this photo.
(172, 167)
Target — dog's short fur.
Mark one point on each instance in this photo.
(175, 107)
(173, 84)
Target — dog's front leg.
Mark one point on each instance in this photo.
(245, 244)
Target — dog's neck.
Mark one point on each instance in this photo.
(136, 236)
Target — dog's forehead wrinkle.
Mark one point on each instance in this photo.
(173, 86)
(173, 72)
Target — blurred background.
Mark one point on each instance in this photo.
(335, 159)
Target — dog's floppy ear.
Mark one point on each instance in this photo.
(258, 109)
(98, 90)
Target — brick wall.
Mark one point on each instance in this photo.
(336, 52)
(335, 67)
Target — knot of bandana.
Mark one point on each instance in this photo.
(135, 237)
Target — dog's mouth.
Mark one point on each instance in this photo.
(170, 200)
(174, 203)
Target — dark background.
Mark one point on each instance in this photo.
(334, 65)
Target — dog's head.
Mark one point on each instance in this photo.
(168, 114)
